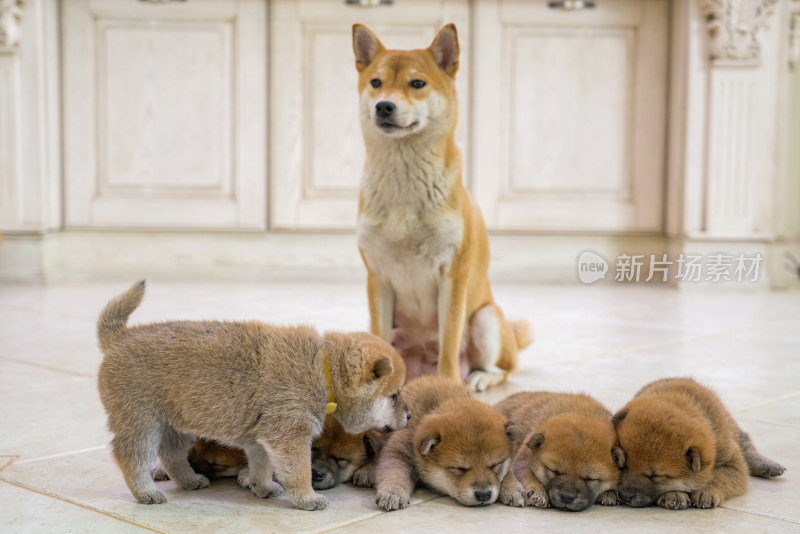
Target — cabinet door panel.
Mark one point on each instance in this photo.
(316, 143)
(165, 114)
(569, 115)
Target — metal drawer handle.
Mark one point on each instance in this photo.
(369, 3)
(572, 5)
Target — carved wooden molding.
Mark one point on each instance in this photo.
(10, 24)
(733, 27)
(794, 35)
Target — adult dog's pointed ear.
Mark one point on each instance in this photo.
(445, 49)
(365, 46)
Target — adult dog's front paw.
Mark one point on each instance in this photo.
(392, 499)
(674, 500)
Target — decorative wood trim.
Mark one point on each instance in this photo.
(733, 27)
(794, 35)
(10, 25)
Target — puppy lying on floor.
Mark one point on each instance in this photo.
(683, 448)
(570, 458)
(453, 443)
(336, 457)
(260, 388)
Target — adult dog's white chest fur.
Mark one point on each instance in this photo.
(406, 232)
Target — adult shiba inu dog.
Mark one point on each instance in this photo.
(683, 448)
(421, 236)
(248, 385)
(453, 443)
(570, 458)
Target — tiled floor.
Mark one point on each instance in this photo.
(56, 473)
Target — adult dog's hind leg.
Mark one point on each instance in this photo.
(486, 343)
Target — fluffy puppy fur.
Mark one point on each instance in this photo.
(683, 448)
(453, 443)
(569, 458)
(336, 457)
(246, 385)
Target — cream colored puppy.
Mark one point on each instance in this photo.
(248, 385)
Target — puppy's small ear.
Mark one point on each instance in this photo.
(382, 367)
(618, 456)
(365, 46)
(445, 49)
(427, 444)
(513, 431)
(695, 459)
(536, 441)
(619, 417)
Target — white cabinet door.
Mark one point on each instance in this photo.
(569, 115)
(165, 113)
(317, 151)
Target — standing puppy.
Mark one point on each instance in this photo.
(569, 459)
(246, 385)
(421, 236)
(453, 443)
(683, 448)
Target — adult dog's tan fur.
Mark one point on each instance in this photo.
(571, 458)
(453, 443)
(247, 385)
(421, 236)
(683, 448)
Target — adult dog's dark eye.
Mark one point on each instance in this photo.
(375, 83)
(417, 84)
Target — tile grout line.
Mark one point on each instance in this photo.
(768, 402)
(649, 346)
(760, 514)
(60, 454)
(79, 505)
(48, 367)
(379, 514)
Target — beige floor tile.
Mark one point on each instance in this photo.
(27, 512)
(52, 418)
(445, 515)
(92, 479)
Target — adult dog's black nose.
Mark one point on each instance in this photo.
(483, 495)
(384, 109)
(317, 476)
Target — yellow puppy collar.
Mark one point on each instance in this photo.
(331, 406)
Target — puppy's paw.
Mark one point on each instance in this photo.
(314, 501)
(270, 489)
(608, 498)
(364, 477)
(479, 380)
(766, 468)
(197, 481)
(392, 499)
(705, 498)
(512, 494)
(158, 473)
(539, 498)
(674, 500)
(152, 497)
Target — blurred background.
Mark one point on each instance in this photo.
(219, 139)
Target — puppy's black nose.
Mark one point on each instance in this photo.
(384, 108)
(317, 476)
(483, 495)
(567, 497)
